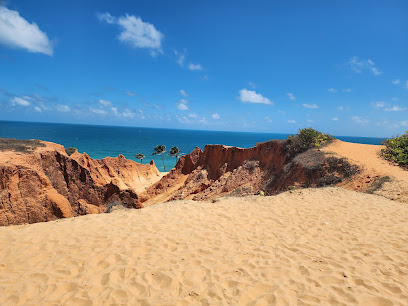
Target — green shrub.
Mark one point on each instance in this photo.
(306, 139)
(70, 150)
(396, 149)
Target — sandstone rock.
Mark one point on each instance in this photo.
(221, 170)
(45, 184)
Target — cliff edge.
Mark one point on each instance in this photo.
(40, 182)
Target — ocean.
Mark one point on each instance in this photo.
(101, 141)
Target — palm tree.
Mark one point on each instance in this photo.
(140, 156)
(160, 149)
(175, 152)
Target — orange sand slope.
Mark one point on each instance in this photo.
(373, 166)
(311, 246)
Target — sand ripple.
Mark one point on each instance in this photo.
(307, 247)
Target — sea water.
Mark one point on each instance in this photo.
(101, 141)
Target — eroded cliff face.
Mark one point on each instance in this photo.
(47, 184)
(268, 167)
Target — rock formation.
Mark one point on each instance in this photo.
(43, 183)
(269, 167)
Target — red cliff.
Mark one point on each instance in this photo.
(44, 183)
(269, 167)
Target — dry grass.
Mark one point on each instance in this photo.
(17, 145)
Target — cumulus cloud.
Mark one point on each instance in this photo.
(395, 108)
(291, 96)
(332, 90)
(195, 67)
(182, 105)
(62, 108)
(359, 120)
(105, 102)
(311, 106)
(379, 104)
(19, 101)
(388, 108)
(17, 32)
(291, 121)
(251, 96)
(396, 82)
(358, 66)
(215, 116)
(135, 32)
(335, 119)
(114, 111)
(98, 111)
(130, 93)
(37, 109)
(252, 85)
(183, 93)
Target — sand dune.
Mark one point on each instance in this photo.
(306, 247)
(373, 166)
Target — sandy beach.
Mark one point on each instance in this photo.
(310, 247)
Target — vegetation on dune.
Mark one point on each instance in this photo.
(396, 150)
(18, 145)
(140, 156)
(378, 183)
(70, 150)
(160, 150)
(306, 139)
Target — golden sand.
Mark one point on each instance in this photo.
(305, 247)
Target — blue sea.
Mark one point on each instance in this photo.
(101, 141)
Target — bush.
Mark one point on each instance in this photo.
(396, 150)
(306, 139)
(70, 150)
(18, 145)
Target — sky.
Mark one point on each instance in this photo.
(257, 66)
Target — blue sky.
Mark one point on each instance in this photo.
(264, 66)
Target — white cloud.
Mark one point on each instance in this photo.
(130, 93)
(404, 123)
(340, 108)
(98, 111)
(114, 111)
(291, 121)
(291, 96)
(195, 67)
(62, 108)
(311, 106)
(406, 84)
(358, 66)
(395, 108)
(268, 119)
(16, 32)
(182, 105)
(359, 120)
(105, 102)
(136, 32)
(252, 85)
(332, 90)
(346, 90)
(251, 96)
(127, 113)
(183, 93)
(37, 109)
(192, 115)
(19, 101)
(396, 82)
(215, 116)
(379, 104)
(335, 119)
